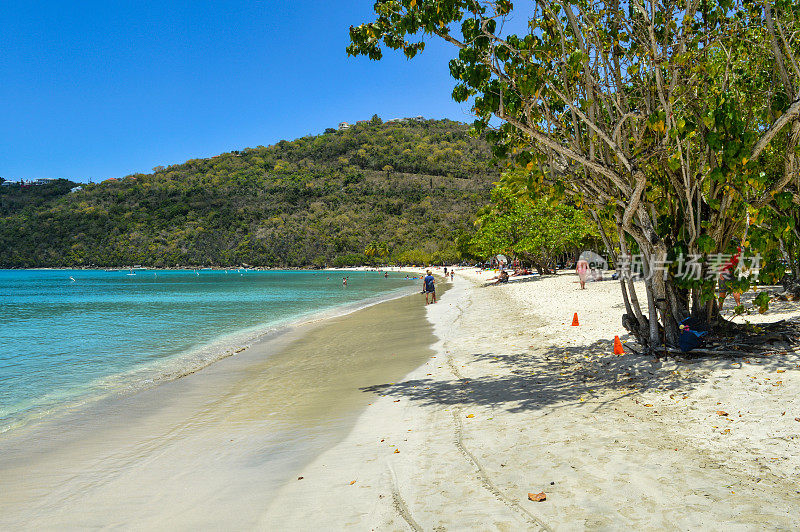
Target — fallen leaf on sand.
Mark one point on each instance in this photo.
(537, 497)
(648, 405)
(397, 401)
(780, 371)
(797, 419)
(471, 415)
(397, 451)
(352, 482)
(299, 478)
(722, 413)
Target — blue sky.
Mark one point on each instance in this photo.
(104, 89)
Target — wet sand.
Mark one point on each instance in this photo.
(212, 448)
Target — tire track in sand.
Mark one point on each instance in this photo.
(400, 506)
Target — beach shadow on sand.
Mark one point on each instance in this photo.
(528, 381)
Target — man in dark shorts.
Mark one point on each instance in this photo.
(429, 287)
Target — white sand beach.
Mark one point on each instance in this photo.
(518, 401)
(329, 431)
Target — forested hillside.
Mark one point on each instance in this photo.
(403, 189)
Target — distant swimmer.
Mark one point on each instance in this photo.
(386, 275)
(429, 287)
(344, 281)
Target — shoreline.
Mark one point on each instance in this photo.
(516, 401)
(233, 431)
(496, 396)
(180, 365)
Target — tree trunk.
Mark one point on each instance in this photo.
(653, 260)
(653, 338)
(612, 256)
(635, 323)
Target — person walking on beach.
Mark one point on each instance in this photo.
(429, 287)
(452, 275)
(582, 269)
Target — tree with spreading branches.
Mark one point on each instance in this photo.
(657, 115)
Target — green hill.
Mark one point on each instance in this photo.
(315, 201)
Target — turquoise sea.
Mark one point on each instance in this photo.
(70, 336)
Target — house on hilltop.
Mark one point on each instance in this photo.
(409, 119)
(343, 126)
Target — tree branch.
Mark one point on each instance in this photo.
(791, 113)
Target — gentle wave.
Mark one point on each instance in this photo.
(145, 373)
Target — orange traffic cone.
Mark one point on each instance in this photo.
(618, 346)
(575, 320)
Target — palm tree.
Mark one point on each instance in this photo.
(383, 249)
